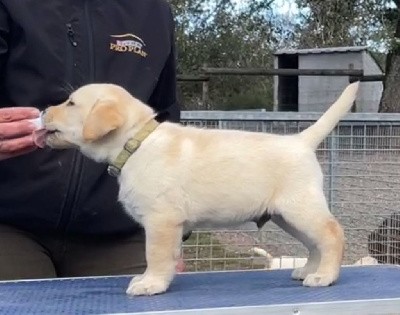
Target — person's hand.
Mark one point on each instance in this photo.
(16, 131)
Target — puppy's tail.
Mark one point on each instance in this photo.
(317, 132)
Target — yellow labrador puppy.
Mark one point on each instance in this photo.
(174, 178)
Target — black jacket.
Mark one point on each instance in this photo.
(48, 48)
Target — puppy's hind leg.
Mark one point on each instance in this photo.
(314, 258)
(330, 246)
(309, 220)
(163, 238)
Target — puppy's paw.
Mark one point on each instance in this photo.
(300, 273)
(136, 279)
(319, 280)
(147, 285)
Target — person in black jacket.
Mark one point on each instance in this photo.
(59, 214)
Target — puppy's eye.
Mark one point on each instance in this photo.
(70, 103)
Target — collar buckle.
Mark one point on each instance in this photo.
(113, 170)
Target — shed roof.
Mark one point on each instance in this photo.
(328, 50)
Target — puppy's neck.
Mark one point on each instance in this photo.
(131, 146)
(108, 148)
(138, 131)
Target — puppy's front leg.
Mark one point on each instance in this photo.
(163, 237)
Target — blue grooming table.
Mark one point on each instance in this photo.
(360, 290)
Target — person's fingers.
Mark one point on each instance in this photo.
(4, 156)
(10, 146)
(15, 129)
(9, 114)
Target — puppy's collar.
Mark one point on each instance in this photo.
(130, 147)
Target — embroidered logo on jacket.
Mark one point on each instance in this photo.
(128, 43)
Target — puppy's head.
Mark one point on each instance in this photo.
(92, 116)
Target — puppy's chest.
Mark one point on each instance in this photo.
(131, 201)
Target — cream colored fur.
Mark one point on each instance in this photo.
(182, 177)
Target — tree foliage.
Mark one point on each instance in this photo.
(345, 22)
(391, 93)
(220, 34)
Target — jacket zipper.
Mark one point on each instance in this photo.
(71, 43)
(71, 35)
(77, 160)
(76, 177)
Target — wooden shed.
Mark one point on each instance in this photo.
(316, 93)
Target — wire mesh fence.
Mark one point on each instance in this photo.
(361, 165)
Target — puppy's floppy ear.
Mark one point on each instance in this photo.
(104, 117)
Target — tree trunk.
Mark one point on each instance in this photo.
(390, 102)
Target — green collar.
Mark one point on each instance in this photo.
(130, 147)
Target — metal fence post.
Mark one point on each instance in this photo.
(222, 124)
(364, 148)
(333, 147)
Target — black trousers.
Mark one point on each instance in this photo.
(27, 256)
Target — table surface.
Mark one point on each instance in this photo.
(194, 291)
